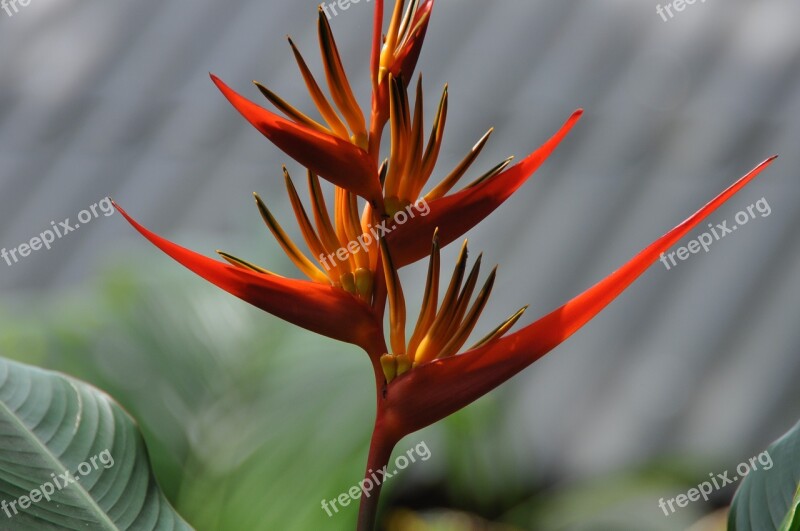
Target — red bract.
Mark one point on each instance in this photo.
(437, 389)
(353, 269)
(321, 309)
(455, 214)
(336, 160)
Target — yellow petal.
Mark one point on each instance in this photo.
(461, 335)
(291, 111)
(338, 84)
(244, 264)
(397, 305)
(429, 300)
(504, 327)
(291, 250)
(448, 182)
(325, 109)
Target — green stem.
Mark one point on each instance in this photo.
(380, 451)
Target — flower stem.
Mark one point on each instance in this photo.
(380, 451)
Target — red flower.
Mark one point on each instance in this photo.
(353, 271)
(441, 387)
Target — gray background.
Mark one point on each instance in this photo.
(113, 98)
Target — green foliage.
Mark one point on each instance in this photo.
(70, 458)
(769, 499)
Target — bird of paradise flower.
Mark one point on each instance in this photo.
(429, 375)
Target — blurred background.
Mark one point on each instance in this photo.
(251, 422)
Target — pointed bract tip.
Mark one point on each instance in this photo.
(219, 83)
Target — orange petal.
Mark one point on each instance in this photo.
(319, 308)
(332, 158)
(407, 59)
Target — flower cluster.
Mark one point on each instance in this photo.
(427, 376)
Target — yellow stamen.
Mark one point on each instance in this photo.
(412, 181)
(244, 264)
(403, 364)
(389, 366)
(435, 141)
(461, 335)
(348, 281)
(392, 35)
(464, 297)
(309, 234)
(434, 338)
(339, 196)
(291, 250)
(500, 330)
(448, 182)
(322, 219)
(338, 84)
(365, 281)
(398, 121)
(353, 229)
(366, 230)
(430, 298)
(325, 109)
(291, 111)
(397, 305)
(491, 173)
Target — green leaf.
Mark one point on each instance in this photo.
(768, 499)
(64, 440)
(792, 520)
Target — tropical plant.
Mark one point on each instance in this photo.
(424, 378)
(386, 216)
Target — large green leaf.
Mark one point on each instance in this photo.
(53, 428)
(768, 500)
(792, 520)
